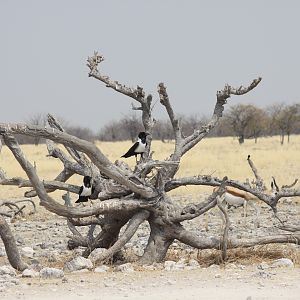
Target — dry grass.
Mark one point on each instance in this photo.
(216, 156)
(245, 256)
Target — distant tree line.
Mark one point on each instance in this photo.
(244, 121)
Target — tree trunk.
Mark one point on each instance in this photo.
(282, 138)
(241, 139)
(158, 244)
(10, 246)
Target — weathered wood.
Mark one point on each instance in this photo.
(10, 246)
(130, 230)
(96, 156)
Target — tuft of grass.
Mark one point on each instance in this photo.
(245, 256)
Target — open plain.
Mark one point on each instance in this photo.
(252, 273)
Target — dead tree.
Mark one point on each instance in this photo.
(127, 197)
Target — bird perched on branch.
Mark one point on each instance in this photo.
(86, 190)
(139, 147)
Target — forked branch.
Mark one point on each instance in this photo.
(222, 97)
(96, 156)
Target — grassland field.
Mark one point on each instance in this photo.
(212, 156)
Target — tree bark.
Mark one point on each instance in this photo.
(159, 242)
(10, 246)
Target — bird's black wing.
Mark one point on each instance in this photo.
(80, 190)
(81, 198)
(131, 152)
(93, 189)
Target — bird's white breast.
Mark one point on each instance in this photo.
(86, 191)
(140, 148)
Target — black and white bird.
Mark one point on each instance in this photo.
(138, 147)
(86, 190)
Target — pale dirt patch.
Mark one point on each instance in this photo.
(207, 283)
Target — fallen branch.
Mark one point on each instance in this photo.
(11, 249)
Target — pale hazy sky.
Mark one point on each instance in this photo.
(194, 47)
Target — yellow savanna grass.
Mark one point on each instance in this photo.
(214, 156)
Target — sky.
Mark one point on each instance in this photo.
(194, 47)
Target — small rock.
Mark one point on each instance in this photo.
(97, 254)
(171, 282)
(64, 280)
(169, 265)
(192, 263)
(52, 257)
(30, 273)
(27, 252)
(101, 269)
(125, 268)
(138, 251)
(282, 262)
(261, 284)
(109, 284)
(7, 270)
(217, 275)
(51, 273)
(2, 288)
(150, 267)
(44, 245)
(78, 263)
(263, 266)
(214, 267)
(249, 298)
(263, 274)
(231, 266)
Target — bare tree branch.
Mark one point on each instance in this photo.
(222, 97)
(49, 185)
(130, 230)
(192, 211)
(270, 200)
(10, 246)
(224, 244)
(290, 185)
(96, 156)
(93, 62)
(290, 228)
(63, 176)
(137, 94)
(259, 181)
(108, 206)
(87, 221)
(199, 242)
(164, 100)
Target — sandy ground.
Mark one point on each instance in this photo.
(229, 283)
